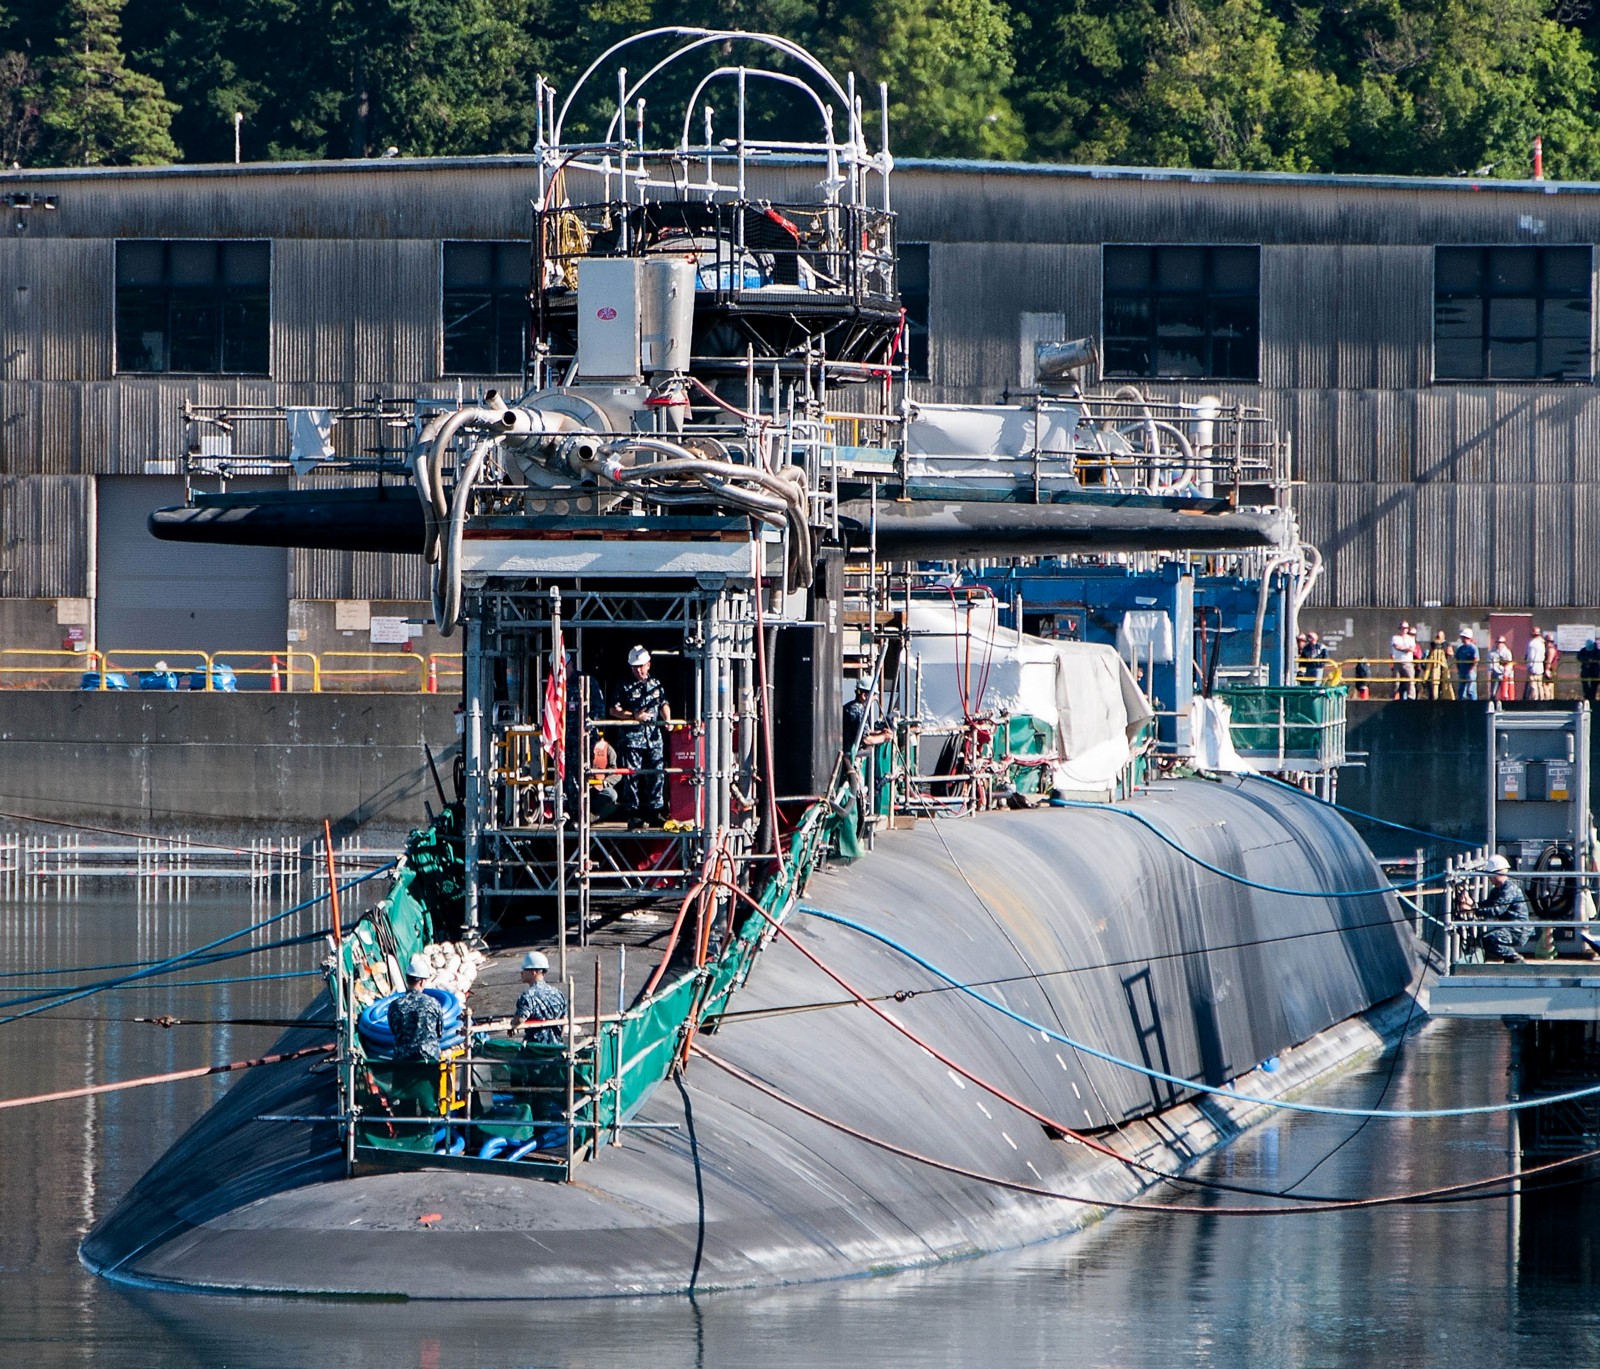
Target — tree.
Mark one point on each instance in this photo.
(948, 65)
(1231, 85)
(19, 111)
(430, 77)
(98, 111)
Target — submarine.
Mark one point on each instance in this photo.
(845, 998)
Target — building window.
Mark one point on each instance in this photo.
(914, 299)
(194, 307)
(1182, 311)
(1511, 313)
(485, 308)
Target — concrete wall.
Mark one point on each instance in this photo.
(1426, 764)
(223, 763)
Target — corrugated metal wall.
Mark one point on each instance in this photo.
(44, 527)
(1473, 495)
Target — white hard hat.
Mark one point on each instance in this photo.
(536, 960)
(1498, 865)
(419, 968)
(638, 656)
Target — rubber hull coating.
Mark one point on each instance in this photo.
(1084, 922)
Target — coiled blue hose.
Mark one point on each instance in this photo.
(373, 1024)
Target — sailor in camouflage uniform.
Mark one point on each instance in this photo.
(415, 1018)
(641, 749)
(540, 1001)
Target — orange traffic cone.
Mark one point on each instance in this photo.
(433, 674)
(274, 686)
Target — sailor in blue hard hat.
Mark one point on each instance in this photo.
(540, 1001)
(415, 1018)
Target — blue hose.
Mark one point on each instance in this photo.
(492, 1147)
(373, 1023)
(1204, 864)
(1195, 1085)
(1365, 817)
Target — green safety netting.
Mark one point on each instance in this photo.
(1301, 720)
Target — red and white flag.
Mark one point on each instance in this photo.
(553, 727)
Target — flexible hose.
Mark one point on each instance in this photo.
(1357, 813)
(1467, 1189)
(1390, 888)
(1398, 1114)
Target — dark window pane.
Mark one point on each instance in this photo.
(1129, 316)
(511, 268)
(1513, 360)
(141, 329)
(1458, 319)
(1567, 359)
(192, 263)
(193, 326)
(1236, 270)
(468, 265)
(1458, 270)
(246, 263)
(1128, 357)
(139, 263)
(1181, 268)
(468, 332)
(1177, 356)
(1513, 270)
(1182, 317)
(1511, 319)
(1458, 360)
(246, 329)
(1126, 269)
(510, 327)
(1566, 318)
(1567, 271)
(917, 300)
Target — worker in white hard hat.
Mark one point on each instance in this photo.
(642, 750)
(1506, 906)
(415, 1017)
(540, 1001)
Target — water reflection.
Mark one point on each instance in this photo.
(1463, 1285)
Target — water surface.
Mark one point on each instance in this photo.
(1466, 1285)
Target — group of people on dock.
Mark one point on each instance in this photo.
(1441, 669)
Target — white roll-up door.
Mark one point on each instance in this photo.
(180, 596)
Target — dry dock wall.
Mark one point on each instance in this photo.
(223, 763)
(276, 763)
(1426, 763)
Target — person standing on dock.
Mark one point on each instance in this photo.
(540, 1001)
(1589, 669)
(1467, 666)
(643, 702)
(1403, 661)
(1506, 905)
(1536, 657)
(1502, 665)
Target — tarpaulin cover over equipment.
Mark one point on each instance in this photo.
(1081, 692)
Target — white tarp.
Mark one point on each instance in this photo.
(1081, 690)
(1211, 735)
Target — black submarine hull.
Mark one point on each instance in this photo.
(390, 519)
(1082, 921)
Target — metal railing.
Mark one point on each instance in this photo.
(1430, 680)
(184, 669)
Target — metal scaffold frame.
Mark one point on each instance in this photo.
(522, 842)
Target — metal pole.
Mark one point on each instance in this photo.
(571, 1066)
(558, 664)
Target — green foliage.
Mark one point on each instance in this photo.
(949, 68)
(1384, 86)
(98, 111)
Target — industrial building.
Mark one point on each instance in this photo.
(1427, 344)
